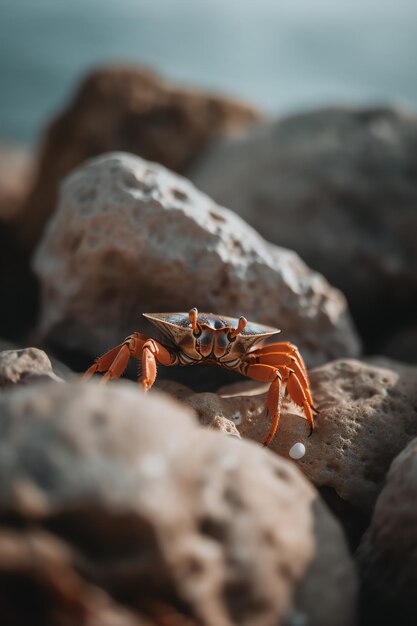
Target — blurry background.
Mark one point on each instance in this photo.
(281, 55)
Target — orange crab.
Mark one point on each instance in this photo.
(204, 338)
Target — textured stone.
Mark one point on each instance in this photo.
(146, 506)
(388, 553)
(368, 414)
(24, 367)
(127, 108)
(129, 237)
(338, 186)
(39, 586)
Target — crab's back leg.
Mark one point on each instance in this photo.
(153, 352)
(140, 347)
(114, 362)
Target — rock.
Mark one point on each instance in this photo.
(368, 414)
(129, 237)
(38, 572)
(147, 507)
(388, 553)
(127, 108)
(338, 186)
(25, 367)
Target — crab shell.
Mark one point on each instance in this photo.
(213, 341)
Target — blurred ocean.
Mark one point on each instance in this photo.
(283, 55)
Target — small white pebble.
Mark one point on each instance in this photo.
(297, 451)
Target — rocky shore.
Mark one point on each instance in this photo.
(120, 508)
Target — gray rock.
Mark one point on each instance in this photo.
(338, 186)
(149, 507)
(25, 366)
(388, 553)
(129, 236)
(367, 415)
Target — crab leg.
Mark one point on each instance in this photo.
(283, 347)
(278, 358)
(278, 374)
(153, 352)
(266, 373)
(140, 347)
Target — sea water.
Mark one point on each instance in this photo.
(281, 55)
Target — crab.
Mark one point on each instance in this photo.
(204, 338)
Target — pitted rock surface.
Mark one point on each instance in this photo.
(128, 108)
(338, 186)
(367, 415)
(40, 586)
(145, 505)
(129, 236)
(25, 366)
(388, 553)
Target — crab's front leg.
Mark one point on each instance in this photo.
(148, 351)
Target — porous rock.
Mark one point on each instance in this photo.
(388, 553)
(39, 585)
(129, 236)
(367, 415)
(148, 507)
(24, 367)
(131, 109)
(338, 186)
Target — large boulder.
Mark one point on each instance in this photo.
(388, 553)
(367, 415)
(127, 108)
(124, 495)
(338, 186)
(130, 236)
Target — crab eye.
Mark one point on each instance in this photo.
(230, 337)
(198, 334)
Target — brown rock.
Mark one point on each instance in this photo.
(129, 237)
(388, 553)
(150, 507)
(338, 186)
(39, 586)
(127, 108)
(25, 366)
(368, 414)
